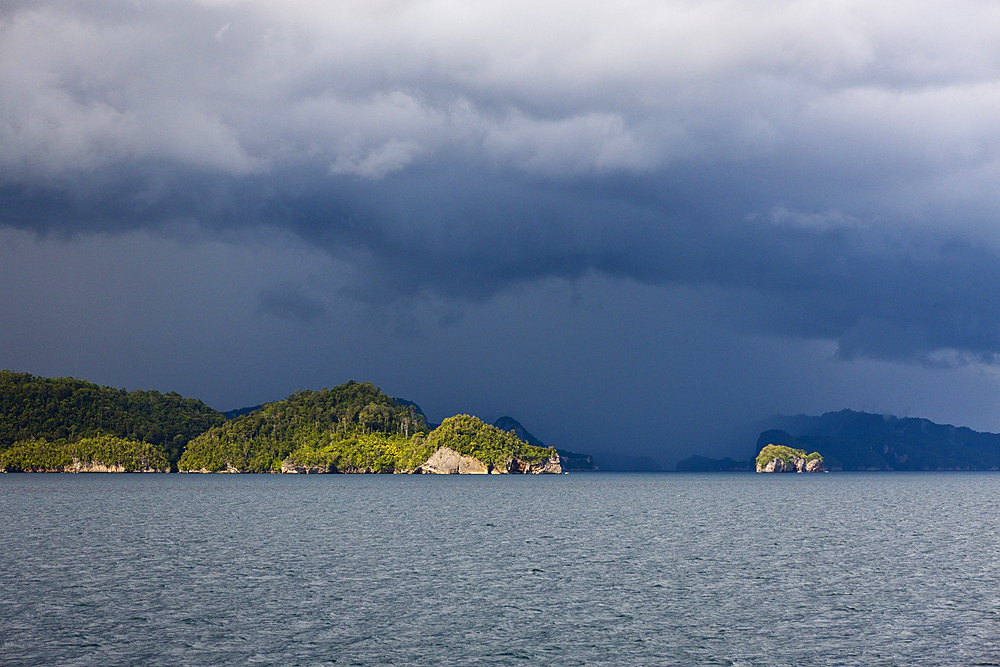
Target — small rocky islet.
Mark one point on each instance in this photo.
(781, 458)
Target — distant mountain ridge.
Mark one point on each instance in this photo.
(569, 460)
(850, 440)
(705, 464)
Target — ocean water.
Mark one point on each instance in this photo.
(580, 569)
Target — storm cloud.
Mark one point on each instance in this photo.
(826, 170)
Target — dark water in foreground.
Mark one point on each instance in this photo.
(599, 569)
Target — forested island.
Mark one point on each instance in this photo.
(66, 410)
(69, 425)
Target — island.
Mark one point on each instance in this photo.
(43, 421)
(781, 458)
(69, 425)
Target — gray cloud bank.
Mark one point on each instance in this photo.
(831, 164)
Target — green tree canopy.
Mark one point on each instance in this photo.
(473, 437)
(321, 425)
(70, 409)
(41, 455)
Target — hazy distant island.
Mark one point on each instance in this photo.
(850, 440)
(70, 425)
(770, 458)
(706, 464)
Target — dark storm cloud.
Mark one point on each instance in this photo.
(832, 163)
(896, 293)
(289, 302)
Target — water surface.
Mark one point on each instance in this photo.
(581, 569)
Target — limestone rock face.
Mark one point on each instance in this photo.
(550, 466)
(295, 469)
(230, 470)
(777, 465)
(88, 466)
(76, 466)
(815, 465)
(446, 461)
(92, 466)
(797, 464)
(97, 466)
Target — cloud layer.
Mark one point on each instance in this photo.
(829, 167)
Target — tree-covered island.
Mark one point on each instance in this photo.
(350, 428)
(52, 416)
(68, 425)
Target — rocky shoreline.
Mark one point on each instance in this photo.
(444, 461)
(78, 466)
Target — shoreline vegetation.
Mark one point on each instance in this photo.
(69, 425)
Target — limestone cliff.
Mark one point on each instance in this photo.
(97, 466)
(447, 461)
(551, 466)
(296, 469)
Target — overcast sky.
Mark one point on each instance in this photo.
(635, 226)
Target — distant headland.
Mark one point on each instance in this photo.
(849, 440)
(70, 425)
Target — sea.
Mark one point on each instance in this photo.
(579, 569)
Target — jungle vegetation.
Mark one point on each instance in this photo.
(53, 423)
(41, 455)
(491, 445)
(351, 426)
(69, 409)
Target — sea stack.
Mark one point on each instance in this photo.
(780, 458)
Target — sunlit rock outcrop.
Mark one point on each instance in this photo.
(779, 458)
(447, 461)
